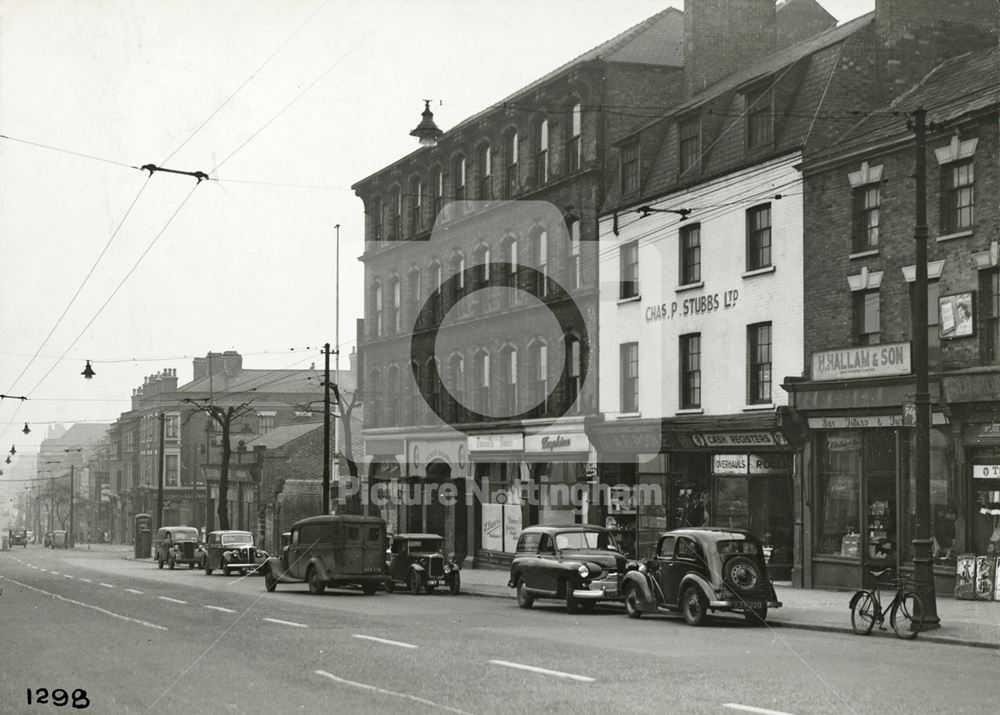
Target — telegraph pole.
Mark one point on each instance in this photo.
(923, 559)
(72, 537)
(336, 356)
(326, 428)
(159, 479)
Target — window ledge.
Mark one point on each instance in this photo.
(632, 299)
(629, 415)
(759, 408)
(863, 254)
(759, 272)
(691, 411)
(958, 234)
(690, 286)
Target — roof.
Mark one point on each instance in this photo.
(260, 381)
(958, 86)
(417, 536)
(230, 531)
(339, 518)
(657, 40)
(81, 434)
(549, 528)
(280, 436)
(703, 532)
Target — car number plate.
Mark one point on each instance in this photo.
(756, 605)
(611, 593)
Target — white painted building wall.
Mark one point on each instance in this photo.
(772, 295)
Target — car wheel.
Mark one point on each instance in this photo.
(572, 605)
(208, 569)
(369, 589)
(390, 585)
(756, 616)
(416, 582)
(632, 601)
(524, 599)
(270, 582)
(429, 587)
(316, 586)
(455, 587)
(159, 563)
(694, 606)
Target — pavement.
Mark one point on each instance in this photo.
(967, 623)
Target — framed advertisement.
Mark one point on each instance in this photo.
(955, 315)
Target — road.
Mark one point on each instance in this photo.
(141, 640)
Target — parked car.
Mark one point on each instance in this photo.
(418, 562)
(231, 551)
(698, 570)
(576, 562)
(47, 539)
(19, 537)
(331, 550)
(59, 539)
(177, 545)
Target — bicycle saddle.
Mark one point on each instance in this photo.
(876, 574)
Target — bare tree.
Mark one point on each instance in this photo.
(345, 407)
(224, 417)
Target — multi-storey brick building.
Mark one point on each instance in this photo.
(860, 212)
(513, 188)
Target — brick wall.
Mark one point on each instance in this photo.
(722, 36)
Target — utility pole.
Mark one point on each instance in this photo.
(72, 533)
(326, 429)
(336, 355)
(159, 479)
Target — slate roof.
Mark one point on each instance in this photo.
(81, 435)
(258, 381)
(280, 436)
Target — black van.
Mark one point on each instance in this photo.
(333, 550)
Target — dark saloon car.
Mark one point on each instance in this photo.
(231, 551)
(333, 550)
(576, 562)
(59, 539)
(698, 570)
(19, 537)
(177, 545)
(418, 562)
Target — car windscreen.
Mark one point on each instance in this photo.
(585, 540)
(424, 544)
(185, 536)
(231, 539)
(730, 548)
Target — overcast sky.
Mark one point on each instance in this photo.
(240, 266)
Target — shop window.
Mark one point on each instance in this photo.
(838, 494)
(628, 262)
(629, 365)
(759, 237)
(759, 364)
(957, 196)
(866, 217)
(690, 244)
(866, 317)
(690, 371)
(944, 507)
(989, 314)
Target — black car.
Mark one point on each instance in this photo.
(19, 537)
(576, 562)
(697, 570)
(418, 562)
(231, 551)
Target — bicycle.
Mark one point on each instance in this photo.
(906, 610)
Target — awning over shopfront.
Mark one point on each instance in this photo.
(973, 385)
(809, 396)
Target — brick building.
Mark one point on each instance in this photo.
(515, 187)
(858, 502)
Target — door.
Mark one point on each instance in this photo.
(685, 561)
(547, 572)
(296, 555)
(373, 556)
(352, 560)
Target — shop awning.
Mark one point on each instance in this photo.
(861, 395)
(764, 430)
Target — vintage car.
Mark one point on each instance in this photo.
(231, 551)
(331, 550)
(418, 562)
(177, 545)
(19, 537)
(59, 539)
(576, 562)
(698, 570)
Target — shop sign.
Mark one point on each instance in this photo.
(737, 439)
(856, 422)
(692, 307)
(986, 471)
(631, 442)
(384, 446)
(862, 361)
(740, 464)
(729, 464)
(990, 431)
(496, 442)
(556, 443)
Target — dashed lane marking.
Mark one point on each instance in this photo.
(87, 605)
(172, 600)
(85, 580)
(107, 585)
(286, 623)
(544, 671)
(399, 644)
(218, 608)
(132, 590)
(393, 693)
(752, 709)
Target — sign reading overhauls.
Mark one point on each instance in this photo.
(862, 361)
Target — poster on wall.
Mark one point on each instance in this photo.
(955, 315)
(986, 567)
(996, 582)
(965, 575)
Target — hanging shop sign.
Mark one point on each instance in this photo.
(862, 361)
(741, 464)
(986, 471)
(496, 442)
(556, 443)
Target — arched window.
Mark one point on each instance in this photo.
(508, 378)
(394, 321)
(378, 326)
(433, 284)
(538, 353)
(574, 148)
(395, 213)
(575, 264)
(482, 265)
(542, 152)
(458, 177)
(432, 385)
(511, 180)
(508, 256)
(378, 216)
(481, 380)
(416, 201)
(456, 274)
(375, 396)
(574, 372)
(391, 401)
(415, 401)
(456, 386)
(540, 259)
(437, 191)
(485, 173)
(413, 302)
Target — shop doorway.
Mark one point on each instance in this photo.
(438, 472)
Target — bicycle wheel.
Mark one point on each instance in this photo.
(863, 612)
(907, 616)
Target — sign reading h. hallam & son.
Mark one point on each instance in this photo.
(862, 361)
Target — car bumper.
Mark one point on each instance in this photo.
(598, 591)
(739, 604)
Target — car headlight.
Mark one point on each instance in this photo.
(583, 571)
(447, 568)
(642, 568)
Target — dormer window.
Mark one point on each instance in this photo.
(760, 119)
(689, 144)
(630, 168)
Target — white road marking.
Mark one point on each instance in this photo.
(54, 573)
(383, 691)
(87, 580)
(132, 590)
(172, 600)
(387, 642)
(218, 608)
(68, 576)
(107, 585)
(87, 605)
(544, 671)
(286, 623)
(45, 570)
(752, 709)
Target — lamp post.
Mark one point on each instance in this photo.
(923, 558)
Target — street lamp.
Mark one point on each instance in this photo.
(427, 131)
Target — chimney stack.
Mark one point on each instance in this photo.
(722, 36)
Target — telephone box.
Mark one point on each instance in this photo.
(143, 536)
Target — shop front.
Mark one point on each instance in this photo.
(499, 471)
(433, 491)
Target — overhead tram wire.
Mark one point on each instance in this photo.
(68, 151)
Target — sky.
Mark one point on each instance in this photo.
(284, 104)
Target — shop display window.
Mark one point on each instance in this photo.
(839, 493)
(944, 510)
